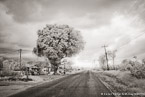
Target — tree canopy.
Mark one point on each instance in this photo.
(58, 41)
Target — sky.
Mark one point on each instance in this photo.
(119, 24)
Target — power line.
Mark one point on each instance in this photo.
(14, 51)
(132, 40)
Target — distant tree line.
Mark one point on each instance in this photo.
(136, 67)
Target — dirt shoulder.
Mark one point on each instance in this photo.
(11, 87)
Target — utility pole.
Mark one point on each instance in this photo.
(106, 56)
(20, 50)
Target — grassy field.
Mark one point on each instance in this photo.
(11, 87)
(123, 82)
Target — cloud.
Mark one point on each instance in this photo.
(36, 10)
(115, 23)
(119, 34)
(14, 35)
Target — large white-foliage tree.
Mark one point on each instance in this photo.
(58, 41)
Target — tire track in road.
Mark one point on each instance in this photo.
(82, 87)
(72, 87)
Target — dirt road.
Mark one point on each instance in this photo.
(84, 84)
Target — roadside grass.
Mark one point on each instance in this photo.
(11, 87)
(123, 82)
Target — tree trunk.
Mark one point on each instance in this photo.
(64, 69)
(55, 63)
(27, 73)
(55, 70)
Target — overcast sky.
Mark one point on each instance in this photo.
(120, 24)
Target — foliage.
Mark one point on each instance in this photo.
(58, 41)
(136, 68)
(112, 54)
(1, 63)
(67, 63)
(11, 64)
(125, 64)
(11, 74)
(102, 62)
(143, 62)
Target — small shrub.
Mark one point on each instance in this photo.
(138, 72)
(136, 68)
(25, 79)
(5, 73)
(11, 75)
